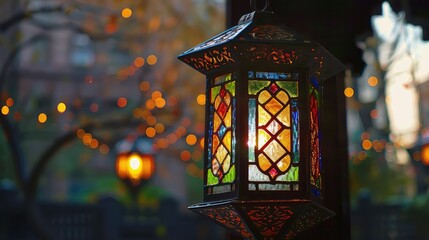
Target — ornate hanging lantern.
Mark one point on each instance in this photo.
(263, 166)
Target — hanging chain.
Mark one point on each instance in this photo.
(253, 5)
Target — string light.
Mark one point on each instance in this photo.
(61, 107)
(349, 92)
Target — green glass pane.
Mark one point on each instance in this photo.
(214, 93)
(223, 78)
(255, 86)
(230, 176)
(231, 87)
(290, 87)
(211, 179)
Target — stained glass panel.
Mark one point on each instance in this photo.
(315, 156)
(220, 165)
(272, 133)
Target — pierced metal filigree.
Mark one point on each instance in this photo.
(274, 55)
(271, 32)
(211, 59)
(228, 217)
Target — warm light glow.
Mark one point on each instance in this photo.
(93, 144)
(156, 95)
(152, 59)
(349, 92)
(104, 149)
(9, 102)
(5, 110)
(202, 143)
(122, 102)
(191, 139)
(144, 86)
(201, 99)
(150, 132)
(366, 144)
(139, 62)
(151, 120)
(87, 138)
(185, 155)
(150, 104)
(127, 12)
(365, 136)
(372, 81)
(135, 162)
(93, 107)
(160, 102)
(425, 154)
(61, 107)
(159, 127)
(122, 166)
(42, 118)
(374, 114)
(80, 133)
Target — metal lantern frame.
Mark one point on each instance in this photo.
(262, 67)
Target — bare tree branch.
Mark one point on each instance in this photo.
(18, 17)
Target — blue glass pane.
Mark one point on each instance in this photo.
(251, 75)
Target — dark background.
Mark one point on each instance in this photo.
(335, 24)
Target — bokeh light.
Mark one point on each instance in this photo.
(349, 92)
(61, 107)
(191, 139)
(122, 102)
(139, 62)
(201, 99)
(152, 59)
(126, 12)
(5, 110)
(42, 118)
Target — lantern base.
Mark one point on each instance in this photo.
(264, 220)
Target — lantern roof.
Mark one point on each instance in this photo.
(259, 28)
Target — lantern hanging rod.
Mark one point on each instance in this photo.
(254, 5)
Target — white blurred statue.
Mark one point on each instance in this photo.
(404, 57)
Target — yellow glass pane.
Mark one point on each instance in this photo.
(274, 150)
(273, 106)
(263, 116)
(227, 98)
(285, 138)
(226, 164)
(217, 101)
(264, 96)
(263, 138)
(227, 119)
(284, 164)
(284, 116)
(283, 97)
(215, 142)
(263, 162)
(227, 141)
(216, 122)
(221, 153)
